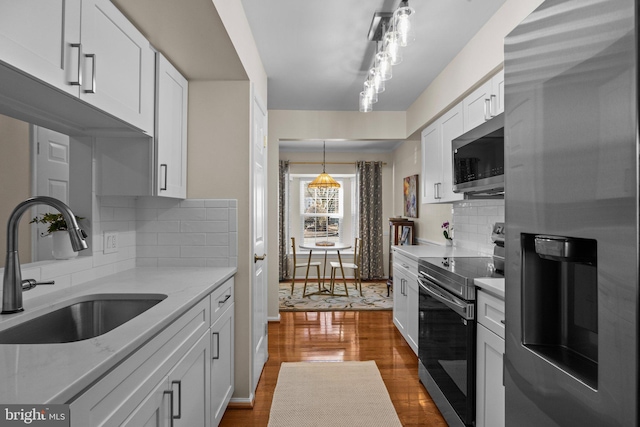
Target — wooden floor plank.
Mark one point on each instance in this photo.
(343, 336)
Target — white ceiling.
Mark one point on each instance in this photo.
(317, 54)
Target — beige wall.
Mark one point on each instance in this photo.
(15, 173)
(235, 21)
(218, 167)
(406, 162)
(476, 62)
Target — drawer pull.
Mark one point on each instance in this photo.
(226, 298)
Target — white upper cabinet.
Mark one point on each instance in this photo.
(484, 103)
(118, 65)
(171, 130)
(42, 38)
(87, 49)
(437, 163)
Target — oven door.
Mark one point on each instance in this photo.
(446, 348)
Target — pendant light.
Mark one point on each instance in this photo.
(324, 180)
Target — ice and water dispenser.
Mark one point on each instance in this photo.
(560, 302)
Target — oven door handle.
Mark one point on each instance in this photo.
(464, 310)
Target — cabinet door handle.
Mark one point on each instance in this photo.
(166, 170)
(179, 383)
(435, 190)
(487, 108)
(217, 356)
(226, 298)
(170, 393)
(93, 73)
(494, 105)
(78, 82)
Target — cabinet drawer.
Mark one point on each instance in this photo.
(221, 299)
(406, 264)
(491, 312)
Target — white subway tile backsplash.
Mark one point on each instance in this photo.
(219, 203)
(179, 239)
(472, 222)
(217, 214)
(182, 214)
(152, 232)
(218, 239)
(158, 251)
(191, 233)
(204, 226)
(158, 226)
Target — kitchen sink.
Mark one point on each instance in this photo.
(87, 317)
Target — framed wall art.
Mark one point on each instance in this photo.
(411, 196)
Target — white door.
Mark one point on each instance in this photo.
(259, 236)
(51, 175)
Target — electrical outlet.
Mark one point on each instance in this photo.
(110, 242)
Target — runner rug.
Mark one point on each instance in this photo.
(374, 297)
(331, 394)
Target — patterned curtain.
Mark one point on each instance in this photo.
(283, 208)
(369, 180)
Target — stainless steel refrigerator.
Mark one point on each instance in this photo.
(571, 197)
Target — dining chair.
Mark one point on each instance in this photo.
(303, 264)
(355, 266)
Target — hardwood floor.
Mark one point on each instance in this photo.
(343, 336)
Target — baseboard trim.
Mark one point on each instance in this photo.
(274, 319)
(242, 402)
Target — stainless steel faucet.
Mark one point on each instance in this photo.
(12, 285)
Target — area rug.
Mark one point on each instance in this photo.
(331, 394)
(374, 297)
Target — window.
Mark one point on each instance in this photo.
(322, 212)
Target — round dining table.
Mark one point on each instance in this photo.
(337, 247)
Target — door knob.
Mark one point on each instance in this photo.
(257, 258)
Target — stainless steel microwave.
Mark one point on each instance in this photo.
(478, 159)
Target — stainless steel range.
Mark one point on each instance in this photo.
(447, 332)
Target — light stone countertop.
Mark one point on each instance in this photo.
(494, 286)
(435, 251)
(54, 373)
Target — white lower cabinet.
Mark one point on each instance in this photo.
(181, 398)
(182, 377)
(405, 298)
(222, 332)
(490, 404)
(189, 387)
(221, 364)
